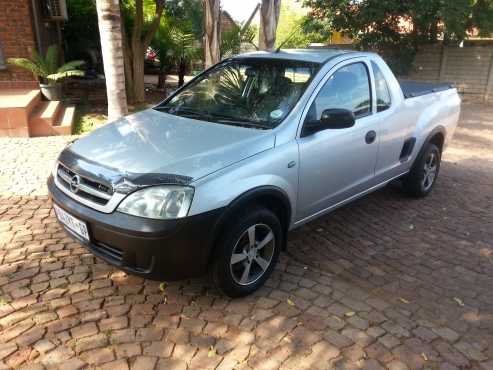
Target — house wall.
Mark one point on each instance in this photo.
(16, 40)
(470, 68)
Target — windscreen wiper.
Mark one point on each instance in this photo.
(215, 117)
(245, 122)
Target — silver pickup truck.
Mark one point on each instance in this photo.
(214, 177)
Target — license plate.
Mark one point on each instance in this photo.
(74, 224)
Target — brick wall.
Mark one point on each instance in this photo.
(16, 40)
(470, 68)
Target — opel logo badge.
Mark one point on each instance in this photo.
(75, 183)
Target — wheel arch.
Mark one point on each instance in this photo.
(273, 198)
(436, 136)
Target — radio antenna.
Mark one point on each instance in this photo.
(288, 38)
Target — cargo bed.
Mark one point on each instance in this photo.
(412, 89)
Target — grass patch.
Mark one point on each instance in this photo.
(87, 119)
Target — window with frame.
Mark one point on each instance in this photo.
(348, 88)
(382, 91)
(2, 58)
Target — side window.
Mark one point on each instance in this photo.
(382, 89)
(348, 88)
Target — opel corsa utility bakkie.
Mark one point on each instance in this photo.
(214, 177)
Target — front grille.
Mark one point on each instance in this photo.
(86, 188)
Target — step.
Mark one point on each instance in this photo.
(46, 111)
(64, 125)
(43, 118)
(19, 98)
(16, 106)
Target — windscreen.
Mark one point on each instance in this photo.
(257, 93)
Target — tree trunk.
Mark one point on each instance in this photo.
(138, 75)
(161, 82)
(136, 46)
(111, 47)
(127, 55)
(269, 17)
(212, 32)
(182, 69)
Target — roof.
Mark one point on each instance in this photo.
(227, 22)
(306, 55)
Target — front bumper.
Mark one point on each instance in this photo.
(155, 249)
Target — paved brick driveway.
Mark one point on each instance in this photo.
(387, 282)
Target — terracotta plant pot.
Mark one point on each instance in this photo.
(51, 91)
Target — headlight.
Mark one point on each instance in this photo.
(159, 202)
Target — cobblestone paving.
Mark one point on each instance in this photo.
(387, 282)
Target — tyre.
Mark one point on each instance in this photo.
(247, 252)
(424, 172)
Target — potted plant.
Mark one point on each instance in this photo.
(48, 71)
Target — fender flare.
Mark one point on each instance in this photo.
(246, 198)
(255, 193)
(437, 130)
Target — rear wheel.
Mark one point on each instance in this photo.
(248, 252)
(423, 175)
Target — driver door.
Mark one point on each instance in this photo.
(337, 164)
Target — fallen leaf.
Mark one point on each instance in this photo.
(212, 352)
(459, 301)
(424, 356)
(290, 302)
(350, 313)
(162, 286)
(403, 300)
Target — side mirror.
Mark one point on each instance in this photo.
(331, 119)
(337, 118)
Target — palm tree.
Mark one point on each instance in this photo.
(269, 17)
(183, 44)
(111, 46)
(46, 67)
(175, 46)
(212, 35)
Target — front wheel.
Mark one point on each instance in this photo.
(423, 175)
(247, 252)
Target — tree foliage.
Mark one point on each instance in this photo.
(231, 40)
(187, 14)
(296, 30)
(81, 33)
(177, 40)
(397, 27)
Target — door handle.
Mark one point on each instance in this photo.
(370, 137)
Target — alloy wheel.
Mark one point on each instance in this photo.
(252, 254)
(430, 171)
